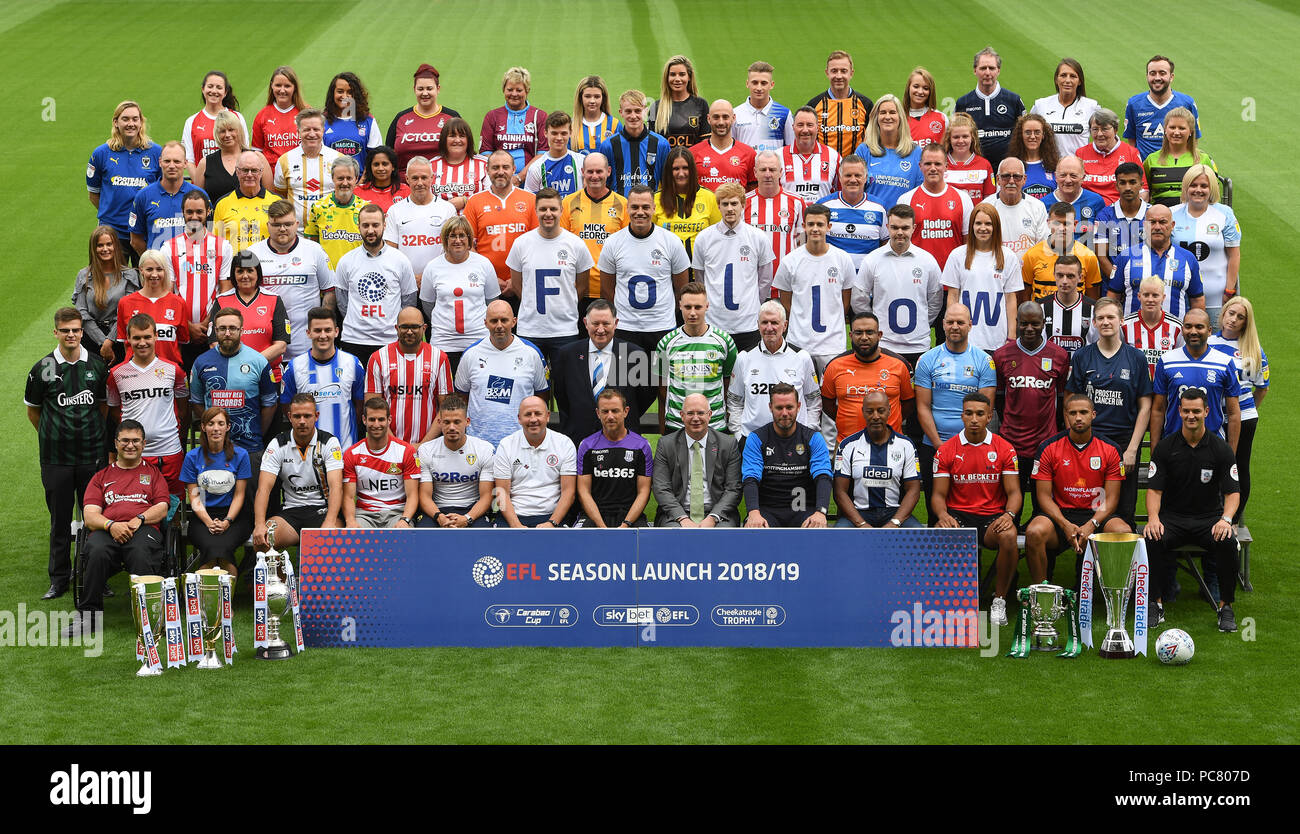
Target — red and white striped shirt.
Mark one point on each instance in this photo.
(380, 476)
(411, 385)
(198, 268)
(781, 216)
(463, 180)
(1153, 341)
(810, 176)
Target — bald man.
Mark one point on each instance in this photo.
(1087, 205)
(536, 471)
(720, 158)
(497, 374)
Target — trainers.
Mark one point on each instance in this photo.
(998, 612)
(1157, 615)
(1227, 620)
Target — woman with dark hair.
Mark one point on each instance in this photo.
(349, 127)
(682, 206)
(380, 183)
(1069, 111)
(417, 131)
(457, 175)
(98, 290)
(216, 475)
(680, 113)
(266, 319)
(1032, 143)
(592, 121)
(199, 134)
(274, 128)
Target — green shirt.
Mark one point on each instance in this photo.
(69, 395)
(1165, 179)
(695, 365)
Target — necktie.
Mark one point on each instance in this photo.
(697, 483)
(598, 375)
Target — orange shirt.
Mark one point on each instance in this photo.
(498, 222)
(594, 221)
(848, 379)
(1036, 269)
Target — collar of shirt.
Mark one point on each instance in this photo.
(82, 355)
(987, 441)
(785, 346)
(997, 88)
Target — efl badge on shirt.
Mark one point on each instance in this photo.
(1047, 365)
(1207, 475)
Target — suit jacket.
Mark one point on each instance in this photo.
(571, 384)
(671, 481)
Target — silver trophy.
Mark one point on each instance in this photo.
(1114, 554)
(277, 601)
(1046, 605)
(210, 617)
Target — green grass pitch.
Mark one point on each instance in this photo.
(66, 66)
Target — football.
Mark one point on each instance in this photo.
(1175, 647)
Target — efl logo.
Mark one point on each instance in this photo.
(110, 787)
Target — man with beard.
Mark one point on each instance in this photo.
(413, 377)
(373, 283)
(786, 468)
(237, 378)
(866, 368)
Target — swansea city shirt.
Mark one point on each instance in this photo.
(1070, 122)
(416, 230)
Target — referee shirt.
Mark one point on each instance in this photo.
(1193, 479)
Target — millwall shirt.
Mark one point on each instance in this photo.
(643, 269)
(728, 260)
(548, 294)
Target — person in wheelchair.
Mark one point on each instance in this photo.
(216, 475)
(124, 505)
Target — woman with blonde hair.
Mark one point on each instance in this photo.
(893, 157)
(120, 168)
(215, 173)
(97, 291)
(1239, 339)
(170, 313)
(985, 276)
(593, 122)
(507, 127)
(1210, 231)
(679, 114)
(1166, 167)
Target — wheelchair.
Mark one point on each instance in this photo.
(173, 546)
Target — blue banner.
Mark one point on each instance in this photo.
(835, 587)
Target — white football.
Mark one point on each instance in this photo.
(216, 481)
(1175, 647)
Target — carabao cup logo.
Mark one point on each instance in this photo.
(488, 571)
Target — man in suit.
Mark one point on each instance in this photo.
(718, 486)
(584, 368)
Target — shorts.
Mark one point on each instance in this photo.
(1075, 516)
(979, 522)
(378, 518)
(302, 518)
(170, 467)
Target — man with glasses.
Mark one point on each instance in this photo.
(125, 503)
(240, 216)
(65, 399)
(296, 269)
(413, 377)
(1024, 222)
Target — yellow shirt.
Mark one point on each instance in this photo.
(242, 220)
(1036, 269)
(703, 214)
(594, 221)
(336, 228)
